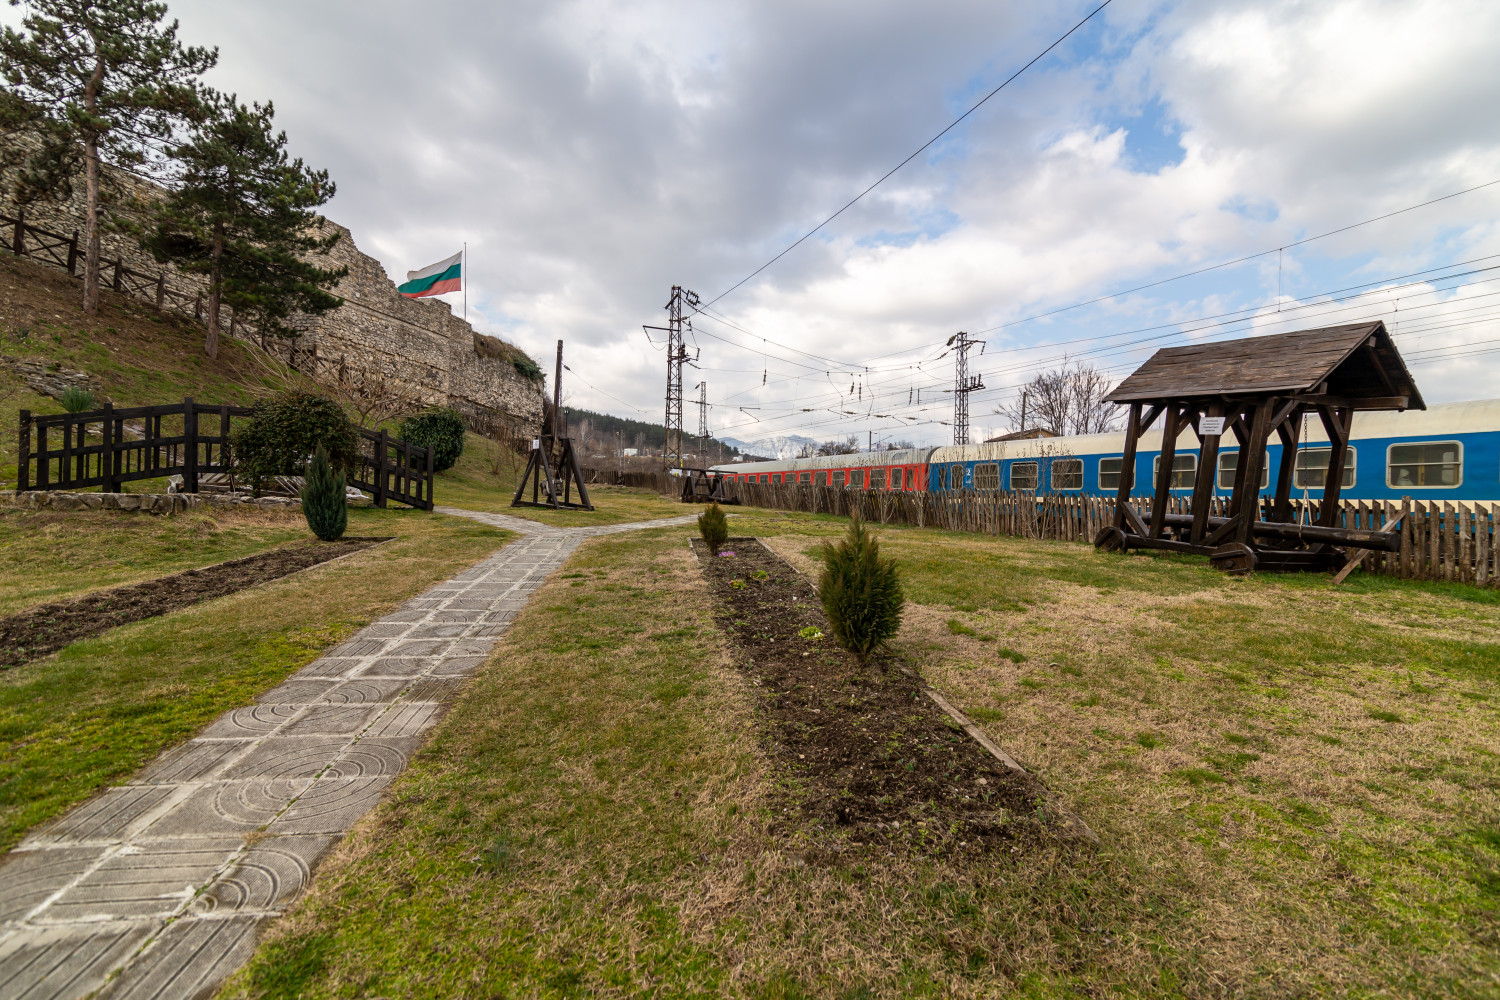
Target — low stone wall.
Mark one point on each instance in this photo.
(145, 503)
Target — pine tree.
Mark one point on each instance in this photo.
(860, 592)
(242, 215)
(105, 81)
(323, 501)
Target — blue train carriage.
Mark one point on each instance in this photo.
(1449, 451)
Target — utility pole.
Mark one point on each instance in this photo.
(963, 384)
(703, 421)
(677, 324)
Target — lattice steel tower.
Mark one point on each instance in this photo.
(677, 324)
(702, 419)
(963, 384)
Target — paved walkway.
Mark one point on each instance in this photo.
(168, 878)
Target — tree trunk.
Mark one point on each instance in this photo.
(215, 286)
(91, 227)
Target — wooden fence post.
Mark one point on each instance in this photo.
(190, 446)
(161, 288)
(18, 241)
(119, 283)
(73, 254)
(107, 439)
(23, 454)
(430, 450)
(380, 450)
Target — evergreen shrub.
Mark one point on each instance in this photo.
(76, 399)
(286, 430)
(860, 591)
(714, 527)
(440, 429)
(323, 501)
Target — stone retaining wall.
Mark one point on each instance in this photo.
(146, 503)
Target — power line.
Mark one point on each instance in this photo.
(920, 149)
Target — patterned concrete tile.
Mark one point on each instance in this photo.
(419, 647)
(374, 758)
(253, 720)
(332, 805)
(365, 691)
(188, 959)
(439, 689)
(298, 692)
(404, 720)
(358, 647)
(267, 876)
(289, 757)
(458, 666)
(30, 877)
(152, 880)
(194, 760)
(438, 630)
(105, 817)
(332, 720)
(64, 963)
(228, 807)
(396, 666)
(330, 667)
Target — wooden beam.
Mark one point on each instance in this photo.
(1290, 430)
(1338, 423)
(1127, 466)
(1357, 556)
(1208, 470)
(1164, 462)
(1250, 461)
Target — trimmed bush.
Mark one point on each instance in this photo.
(323, 501)
(860, 592)
(442, 430)
(76, 399)
(714, 527)
(286, 430)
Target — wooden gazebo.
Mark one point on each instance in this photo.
(1252, 388)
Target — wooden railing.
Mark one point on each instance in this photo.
(1440, 540)
(109, 447)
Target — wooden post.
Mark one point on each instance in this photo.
(1208, 473)
(161, 288)
(224, 437)
(23, 454)
(73, 254)
(107, 438)
(119, 282)
(190, 446)
(1290, 431)
(1252, 454)
(380, 449)
(428, 497)
(1163, 485)
(1337, 422)
(1127, 464)
(18, 241)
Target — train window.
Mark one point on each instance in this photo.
(1425, 464)
(1184, 470)
(836, 478)
(987, 476)
(1067, 474)
(764, 478)
(857, 479)
(911, 479)
(1024, 476)
(1311, 470)
(805, 477)
(776, 478)
(1109, 473)
(877, 479)
(1229, 461)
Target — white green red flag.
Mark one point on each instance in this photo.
(435, 279)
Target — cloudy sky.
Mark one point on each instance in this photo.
(594, 154)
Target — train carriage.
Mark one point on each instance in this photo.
(1447, 452)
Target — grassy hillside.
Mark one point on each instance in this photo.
(138, 355)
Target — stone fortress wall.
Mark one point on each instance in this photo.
(434, 357)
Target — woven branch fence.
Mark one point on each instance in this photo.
(1439, 540)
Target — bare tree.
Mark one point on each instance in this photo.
(848, 446)
(373, 398)
(1066, 400)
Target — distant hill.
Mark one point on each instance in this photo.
(780, 446)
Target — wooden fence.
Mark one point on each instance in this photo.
(64, 250)
(1440, 540)
(109, 447)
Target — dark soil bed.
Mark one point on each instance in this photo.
(38, 631)
(866, 757)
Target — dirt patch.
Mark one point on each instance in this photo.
(38, 631)
(865, 756)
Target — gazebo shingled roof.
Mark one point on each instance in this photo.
(1358, 361)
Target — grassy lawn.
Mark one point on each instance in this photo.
(479, 482)
(46, 556)
(1295, 788)
(102, 707)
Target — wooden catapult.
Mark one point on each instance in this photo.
(1252, 388)
(549, 489)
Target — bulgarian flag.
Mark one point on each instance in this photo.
(435, 279)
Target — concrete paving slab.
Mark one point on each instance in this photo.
(458, 666)
(193, 761)
(332, 805)
(374, 758)
(439, 689)
(330, 667)
(62, 963)
(227, 807)
(366, 691)
(439, 630)
(298, 692)
(104, 818)
(358, 647)
(407, 719)
(250, 721)
(188, 959)
(289, 757)
(395, 666)
(30, 877)
(332, 720)
(267, 876)
(149, 880)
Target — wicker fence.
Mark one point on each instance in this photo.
(1439, 540)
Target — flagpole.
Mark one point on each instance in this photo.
(464, 274)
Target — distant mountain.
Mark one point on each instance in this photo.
(780, 446)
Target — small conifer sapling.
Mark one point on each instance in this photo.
(860, 592)
(323, 499)
(714, 527)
